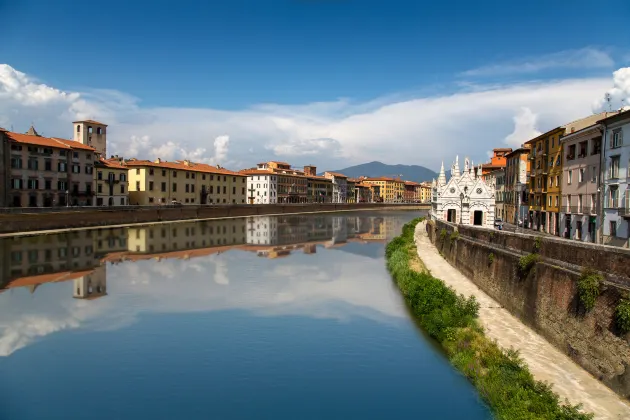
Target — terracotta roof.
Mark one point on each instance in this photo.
(278, 162)
(74, 144)
(193, 166)
(379, 178)
(502, 149)
(319, 177)
(111, 163)
(411, 183)
(47, 278)
(35, 140)
(90, 122)
(337, 174)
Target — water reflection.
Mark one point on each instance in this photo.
(167, 267)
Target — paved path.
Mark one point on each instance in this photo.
(545, 362)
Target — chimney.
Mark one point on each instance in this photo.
(158, 160)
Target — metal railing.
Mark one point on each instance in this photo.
(580, 210)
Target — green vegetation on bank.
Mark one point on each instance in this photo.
(588, 288)
(501, 377)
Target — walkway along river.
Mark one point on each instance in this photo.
(545, 362)
(289, 317)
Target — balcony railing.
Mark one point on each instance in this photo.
(580, 210)
(624, 211)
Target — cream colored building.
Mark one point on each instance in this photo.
(92, 133)
(186, 182)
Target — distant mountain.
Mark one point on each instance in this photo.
(374, 169)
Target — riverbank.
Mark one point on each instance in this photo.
(501, 377)
(21, 224)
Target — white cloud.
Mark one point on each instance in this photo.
(524, 128)
(619, 95)
(569, 59)
(420, 131)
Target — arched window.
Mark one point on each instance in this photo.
(78, 128)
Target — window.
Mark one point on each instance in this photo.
(89, 169)
(150, 199)
(556, 201)
(613, 198)
(569, 203)
(580, 203)
(163, 172)
(596, 146)
(613, 228)
(48, 184)
(99, 175)
(187, 188)
(581, 175)
(123, 177)
(16, 184)
(616, 139)
(99, 188)
(163, 187)
(75, 155)
(187, 176)
(62, 153)
(89, 129)
(122, 189)
(174, 187)
(233, 190)
(203, 177)
(76, 169)
(557, 180)
(16, 162)
(578, 231)
(614, 167)
(78, 128)
(549, 201)
(593, 173)
(88, 156)
(211, 191)
(174, 174)
(137, 185)
(150, 185)
(62, 185)
(33, 164)
(192, 188)
(569, 176)
(224, 189)
(48, 165)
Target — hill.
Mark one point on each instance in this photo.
(374, 169)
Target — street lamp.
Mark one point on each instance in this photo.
(67, 199)
(461, 207)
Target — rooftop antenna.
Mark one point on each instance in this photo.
(608, 100)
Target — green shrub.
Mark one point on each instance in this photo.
(454, 235)
(526, 263)
(490, 258)
(622, 315)
(443, 234)
(588, 288)
(500, 376)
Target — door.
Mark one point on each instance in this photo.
(478, 218)
(450, 215)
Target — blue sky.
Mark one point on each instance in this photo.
(235, 55)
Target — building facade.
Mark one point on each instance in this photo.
(262, 187)
(92, 133)
(5, 163)
(615, 214)
(580, 184)
(516, 192)
(111, 183)
(339, 186)
(160, 182)
(390, 190)
(319, 188)
(47, 172)
(464, 199)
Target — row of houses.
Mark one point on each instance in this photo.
(44, 171)
(570, 181)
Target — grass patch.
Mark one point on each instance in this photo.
(500, 376)
(588, 288)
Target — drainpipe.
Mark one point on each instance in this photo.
(601, 188)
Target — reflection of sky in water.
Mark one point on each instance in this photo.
(311, 335)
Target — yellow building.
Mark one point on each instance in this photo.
(391, 189)
(112, 187)
(186, 182)
(425, 192)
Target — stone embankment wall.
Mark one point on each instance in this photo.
(546, 297)
(28, 222)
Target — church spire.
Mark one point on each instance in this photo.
(32, 132)
(455, 169)
(442, 176)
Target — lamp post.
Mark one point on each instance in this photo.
(67, 199)
(461, 207)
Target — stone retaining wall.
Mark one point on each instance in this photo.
(28, 222)
(546, 298)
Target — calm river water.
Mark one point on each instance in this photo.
(291, 317)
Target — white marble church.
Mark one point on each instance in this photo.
(465, 199)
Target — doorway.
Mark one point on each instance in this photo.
(478, 218)
(451, 215)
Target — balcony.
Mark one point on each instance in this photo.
(580, 210)
(624, 211)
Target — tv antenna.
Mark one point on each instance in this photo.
(608, 100)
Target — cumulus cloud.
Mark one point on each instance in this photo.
(524, 128)
(619, 95)
(581, 58)
(421, 131)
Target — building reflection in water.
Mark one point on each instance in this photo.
(82, 256)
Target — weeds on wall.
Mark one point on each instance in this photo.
(622, 315)
(525, 264)
(500, 376)
(443, 234)
(454, 235)
(537, 244)
(589, 288)
(490, 258)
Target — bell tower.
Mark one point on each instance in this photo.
(92, 133)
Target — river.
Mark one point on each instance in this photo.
(288, 317)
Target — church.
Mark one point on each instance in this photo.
(465, 198)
